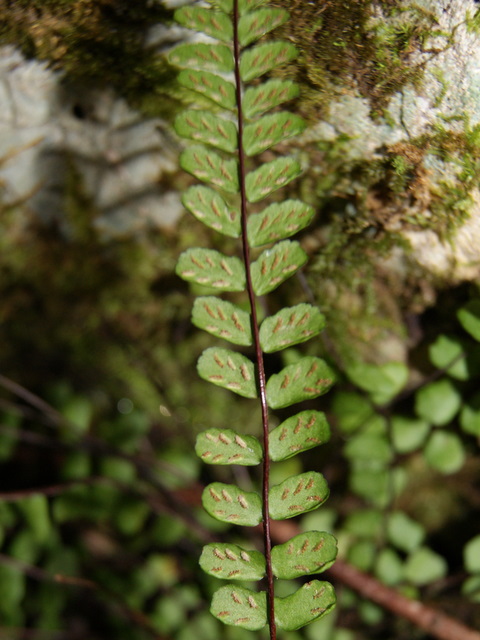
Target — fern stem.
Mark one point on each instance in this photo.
(261, 378)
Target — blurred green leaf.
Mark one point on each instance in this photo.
(447, 349)
(471, 555)
(444, 452)
(365, 523)
(36, 512)
(424, 566)
(373, 448)
(471, 588)
(389, 567)
(351, 410)
(438, 402)
(362, 554)
(469, 317)
(470, 416)
(382, 382)
(403, 532)
(408, 434)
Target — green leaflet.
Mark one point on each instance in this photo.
(254, 25)
(211, 268)
(308, 378)
(214, 87)
(278, 221)
(265, 57)
(301, 432)
(208, 206)
(298, 494)
(214, 23)
(311, 602)
(228, 503)
(270, 177)
(266, 96)
(231, 562)
(302, 555)
(240, 607)
(208, 57)
(276, 265)
(225, 446)
(210, 167)
(205, 127)
(291, 326)
(270, 130)
(222, 319)
(229, 370)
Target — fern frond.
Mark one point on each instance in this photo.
(238, 25)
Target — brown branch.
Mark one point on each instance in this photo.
(436, 623)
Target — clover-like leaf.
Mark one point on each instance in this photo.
(205, 127)
(229, 370)
(300, 432)
(214, 87)
(225, 446)
(270, 130)
(222, 319)
(231, 562)
(271, 176)
(214, 23)
(297, 495)
(291, 326)
(209, 167)
(211, 268)
(207, 57)
(267, 96)
(208, 206)
(264, 57)
(278, 221)
(469, 317)
(228, 503)
(306, 379)
(438, 402)
(276, 265)
(240, 607)
(302, 555)
(311, 602)
(254, 25)
(383, 381)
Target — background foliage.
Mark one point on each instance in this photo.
(100, 518)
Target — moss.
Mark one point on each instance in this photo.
(94, 42)
(472, 21)
(365, 205)
(345, 46)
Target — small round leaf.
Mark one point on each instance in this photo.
(297, 495)
(304, 554)
(231, 562)
(225, 446)
(425, 566)
(312, 601)
(444, 452)
(438, 402)
(228, 503)
(240, 607)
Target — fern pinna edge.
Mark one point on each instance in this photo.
(231, 126)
